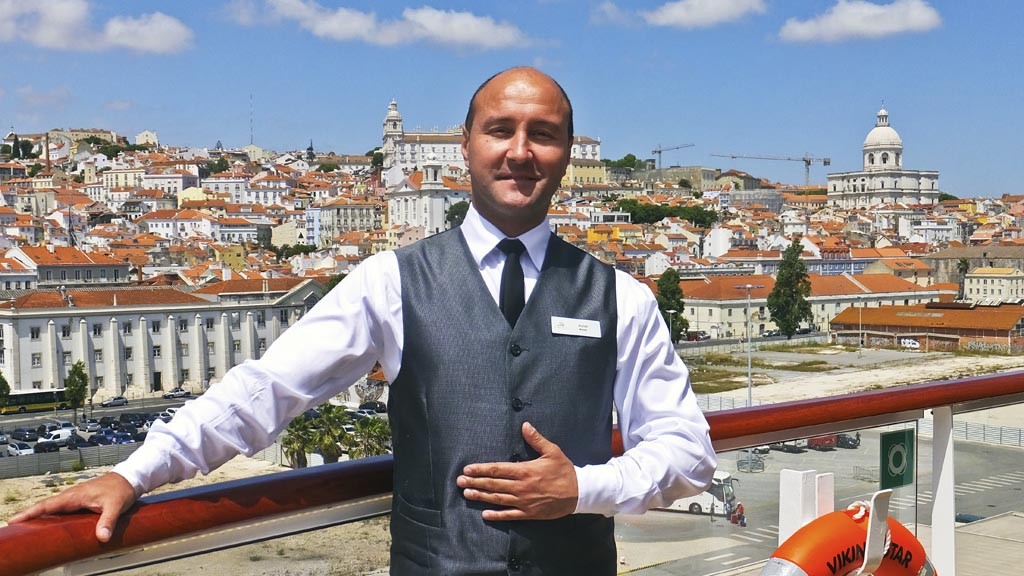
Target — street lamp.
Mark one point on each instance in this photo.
(750, 374)
(671, 337)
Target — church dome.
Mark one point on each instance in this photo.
(883, 135)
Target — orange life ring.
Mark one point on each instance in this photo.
(833, 545)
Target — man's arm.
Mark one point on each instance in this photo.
(337, 342)
(109, 496)
(668, 446)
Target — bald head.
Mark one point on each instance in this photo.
(525, 72)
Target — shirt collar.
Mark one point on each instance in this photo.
(483, 237)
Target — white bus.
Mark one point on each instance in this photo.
(718, 499)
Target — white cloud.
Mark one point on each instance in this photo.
(850, 19)
(118, 105)
(32, 99)
(445, 27)
(65, 25)
(609, 13)
(154, 32)
(701, 13)
(244, 12)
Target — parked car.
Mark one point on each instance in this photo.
(123, 438)
(378, 407)
(176, 393)
(44, 446)
(90, 425)
(109, 422)
(18, 449)
(100, 440)
(697, 336)
(3, 438)
(848, 441)
(771, 333)
(46, 428)
(58, 437)
(108, 432)
(128, 428)
(75, 442)
(367, 413)
(66, 424)
(115, 401)
(24, 434)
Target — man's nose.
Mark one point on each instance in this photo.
(519, 147)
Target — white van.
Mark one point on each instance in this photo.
(59, 436)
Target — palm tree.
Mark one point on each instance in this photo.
(962, 267)
(372, 438)
(329, 434)
(298, 441)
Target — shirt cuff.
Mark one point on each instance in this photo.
(145, 458)
(598, 486)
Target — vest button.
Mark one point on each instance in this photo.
(516, 350)
(515, 457)
(513, 563)
(517, 404)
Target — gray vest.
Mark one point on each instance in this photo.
(468, 382)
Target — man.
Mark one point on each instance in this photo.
(507, 350)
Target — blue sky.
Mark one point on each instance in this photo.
(775, 77)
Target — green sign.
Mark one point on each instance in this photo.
(896, 455)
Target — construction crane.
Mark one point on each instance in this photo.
(807, 160)
(661, 149)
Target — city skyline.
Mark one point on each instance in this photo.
(733, 76)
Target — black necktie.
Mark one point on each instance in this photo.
(513, 291)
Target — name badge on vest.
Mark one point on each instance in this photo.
(575, 327)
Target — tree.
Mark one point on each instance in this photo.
(34, 169)
(329, 435)
(787, 301)
(372, 438)
(685, 183)
(218, 165)
(333, 281)
(76, 384)
(16, 147)
(6, 150)
(25, 146)
(5, 390)
(378, 161)
(670, 297)
(456, 213)
(963, 266)
(943, 196)
(298, 441)
(327, 167)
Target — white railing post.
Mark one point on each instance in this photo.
(803, 496)
(943, 554)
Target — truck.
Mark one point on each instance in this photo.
(718, 499)
(822, 443)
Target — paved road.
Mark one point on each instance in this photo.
(989, 481)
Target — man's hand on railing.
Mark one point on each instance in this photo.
(109, 496)
(540, 489)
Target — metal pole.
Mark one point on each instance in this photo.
(750, 378)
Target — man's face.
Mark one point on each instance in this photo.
(517, 149)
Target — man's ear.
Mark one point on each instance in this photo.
(465, 144)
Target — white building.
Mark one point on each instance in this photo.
(141, 340)
(147, 138)
(994, 284)
(404, 152)
(883, 179)
(423, 199)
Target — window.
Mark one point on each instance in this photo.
(156, 326)
(184, 375)
(99, 383)
(97, 355)
(65, 331)
(261, 318)
(88, 274)
(211, 373)
(129, 379)
(37, 359)
(67, 358)
(730, 312)
(283, 316)
(37, 384)
(2, 356)
(184, 349)
(126, 328)
(156, 351)
(263, 344)
(34, 333)
(128, 353)
(49, 275)
(97, 329)
(209, 323)
(63, 274)
(210, 348)
(182, 325)
(236, 345)
(78, 274)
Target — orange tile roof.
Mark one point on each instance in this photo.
(1003, 317)
(64, 255)
(250, 286)
(103, 298)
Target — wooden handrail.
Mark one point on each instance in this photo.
(45, 543)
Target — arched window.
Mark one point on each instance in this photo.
(871, 158)
(885, 157)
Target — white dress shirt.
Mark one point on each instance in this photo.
(668, 450)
